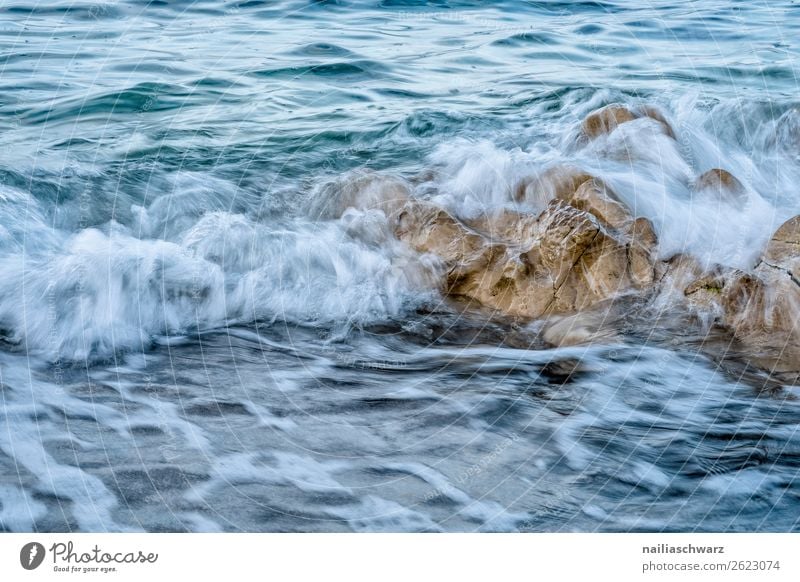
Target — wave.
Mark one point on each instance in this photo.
(651, 173)
(195, 252)
(100, 291)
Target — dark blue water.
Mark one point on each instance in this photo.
(187, 343)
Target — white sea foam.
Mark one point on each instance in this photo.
(196, 257)
(652, 174)
(104, 291)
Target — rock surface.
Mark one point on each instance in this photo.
(555, 183)
(760, 308)
(722, 185)
(563, 260)
(606, 119)
(596, 198)
(577, 188)
(763, 309)
(570, 260)
(364, 191)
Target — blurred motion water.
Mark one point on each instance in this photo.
(188, 344)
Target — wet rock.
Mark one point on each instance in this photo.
(707, 292)
(580, 328)
(582, 263)
(783, 248)
(597, 199)
(564, 261)
(642, 253)
(599, 270)
(762, 308)
(657, 115)
(681, 294)
(718, 178)
(678, 272)
(786, 136)
(506, 226)
(606, 119)
(363, 191)
(428, 228)
(578, 189)
(722, 185)
(555, 183)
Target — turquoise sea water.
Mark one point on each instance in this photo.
(187, 345)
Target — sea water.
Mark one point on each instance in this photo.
(188, 343)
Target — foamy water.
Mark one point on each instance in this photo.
(191, 341)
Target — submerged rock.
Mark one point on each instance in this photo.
(722, 185)
(656, 114)
(579, 328)
(786, 135)
(783, 249)
(606, 119)
(555, 183)
(762, 308)
(361, 190)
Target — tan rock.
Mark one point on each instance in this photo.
(578, 189)
(671, 278)
(708, 292)
(784, 246)
(678, 271)
(743, 298)
(653, 113)
(506, 226)
(718, 178)
(762, 308)
(606, 119)
(762, 312)
(555, 183)
(721, 184)
(642, 253)
(566, 262)
(361, 190)
(597, 199)
(600, 273)
(428, 228)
